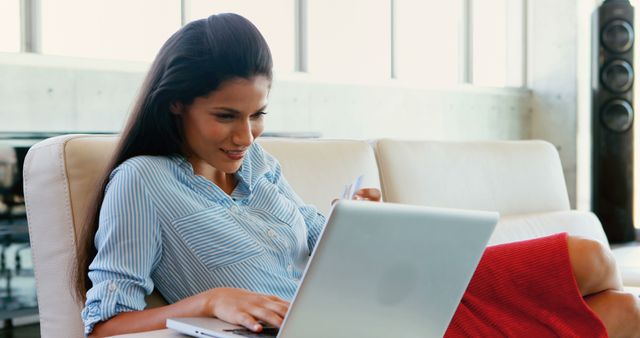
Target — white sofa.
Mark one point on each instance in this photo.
(522, 180)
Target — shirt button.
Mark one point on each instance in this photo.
(235, 208)
(112, 287)
(289, 267)
(271, 233)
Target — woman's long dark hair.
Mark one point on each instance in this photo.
(195, 60)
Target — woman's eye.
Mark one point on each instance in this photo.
(258, 115)
(225, 116)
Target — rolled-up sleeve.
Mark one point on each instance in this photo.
(128, 243)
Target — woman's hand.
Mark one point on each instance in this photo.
(368, 194)
(236, 306)
(364, 194)
(246, 308)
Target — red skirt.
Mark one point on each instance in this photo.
(525, 289)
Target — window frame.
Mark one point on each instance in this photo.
(517, 12)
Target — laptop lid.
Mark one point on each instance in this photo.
(380, 270)
(388, 270)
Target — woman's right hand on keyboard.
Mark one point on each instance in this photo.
(246, 308)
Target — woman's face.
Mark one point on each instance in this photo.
(220, 127)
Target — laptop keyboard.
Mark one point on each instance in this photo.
(267, 332)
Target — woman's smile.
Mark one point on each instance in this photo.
(235, 155)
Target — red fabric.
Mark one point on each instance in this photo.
(525, 289)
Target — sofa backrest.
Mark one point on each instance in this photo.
(510, 177)
(318, 169)
(60, 174)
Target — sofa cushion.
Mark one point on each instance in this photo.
(633, 290)
(527, 226)
(576, 223)
(85, 161)
(628, 259)
(318, 169)
(509, 177)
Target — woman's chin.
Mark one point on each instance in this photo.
(231, 168)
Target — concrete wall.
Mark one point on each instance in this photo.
(553, 79)
(53, 97)
(45, 93)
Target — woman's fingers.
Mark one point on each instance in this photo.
(267, 309)
(274, 305)
(267, 316)
(248, 321)
(276, 298)
(269, 312)
(368, 194)
(365, 194)
(246, 308)
(278, 307)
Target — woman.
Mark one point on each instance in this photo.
(193, 207)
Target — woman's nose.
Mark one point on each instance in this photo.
(243, 135)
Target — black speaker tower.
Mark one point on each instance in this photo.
(612, 119)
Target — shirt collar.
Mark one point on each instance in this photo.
(243, 175)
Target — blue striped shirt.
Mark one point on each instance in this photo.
(163, 226)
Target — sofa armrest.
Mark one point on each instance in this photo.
(52, 237)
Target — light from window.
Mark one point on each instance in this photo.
(9, 26)
(274, 19)
(349, 39)
(428, 41)
(489, 20)
(108, 29)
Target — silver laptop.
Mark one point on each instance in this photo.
(379, 270)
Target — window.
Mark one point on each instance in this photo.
(432, 41)
(274, 19)
(108, 29)
(498, 38)
(489, 42)
(428, 41)
(349, 39)
(9, 26)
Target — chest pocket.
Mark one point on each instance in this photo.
(271, 203)
(216, 239)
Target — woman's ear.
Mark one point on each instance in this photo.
(176, 108)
